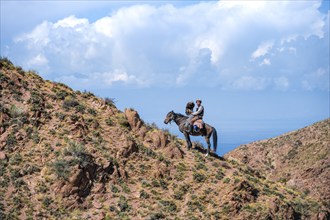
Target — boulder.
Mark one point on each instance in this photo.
(3, 156)
(133, 119)
(173, 151)
(129, 148)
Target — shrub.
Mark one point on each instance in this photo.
(11, 140)
(80, 108)
(109, 122)
(227, 180)
(194, 204)
(114, 189)
(219, 175)
(109, 101)
(61, 168)
(147, 151)
(199, 177)
(61, 94)
(169, 206)
(16, 111)
(19, 182)
(123, 204)
(60, 115)
(201, 166)
(87, 94)
(37, 102)
(92, 111)
(20, 70)
(124, 187)
(46, 202)
(3, 166)
(122, 120)
(156, 216)
(70, 103)
(35, 137)
(155, 183)
(144, 194)
(74, 117)
(16, 159)
(6, 63)
(179, 194)
(163, 183)
(181, 167)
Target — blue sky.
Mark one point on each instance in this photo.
(261, 67)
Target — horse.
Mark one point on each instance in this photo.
(207, 131)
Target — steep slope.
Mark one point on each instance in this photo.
(299, 159)
(68, 154)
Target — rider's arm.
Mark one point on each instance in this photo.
(200, 109)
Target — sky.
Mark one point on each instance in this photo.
(260, 67)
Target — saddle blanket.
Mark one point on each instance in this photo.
(199, 123)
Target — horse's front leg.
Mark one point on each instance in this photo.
(189, 144)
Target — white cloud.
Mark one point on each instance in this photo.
(265, 62)
(38, 38)
(262, 49)
(38, 60)
(211, 43)
(250, 83)
(103, 79)
(71, 22)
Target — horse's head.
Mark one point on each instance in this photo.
(169, 117)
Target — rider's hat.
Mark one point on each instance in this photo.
(198, 100)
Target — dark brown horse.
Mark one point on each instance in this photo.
(207, 131)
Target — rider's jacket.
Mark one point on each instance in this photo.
(199, 112)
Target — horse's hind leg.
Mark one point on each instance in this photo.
(207, 139)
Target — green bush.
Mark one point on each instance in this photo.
(16, 159)
(123, 204)
(181, 167)
(156, 216)
(199, 177)
(92, 111)
(11, 140)
(61, 94)
(179, 194)
(201, 166)
(169, 206)
(80, 108)
(144, 194)
(6, 63)
(122, 120)
(227, 180)
(70, 102)
(109, 101)
(61, 168)
(109, 122)
(16, 111)
(219, 175)
(46, 202)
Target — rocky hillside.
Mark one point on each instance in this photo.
(68, 154)
(299, 159)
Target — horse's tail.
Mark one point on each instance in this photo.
(215, 139)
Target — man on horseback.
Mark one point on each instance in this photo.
(194, 116)
(181, 121)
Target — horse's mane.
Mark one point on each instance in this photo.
(181, 115)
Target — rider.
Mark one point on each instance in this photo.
(198, 114)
